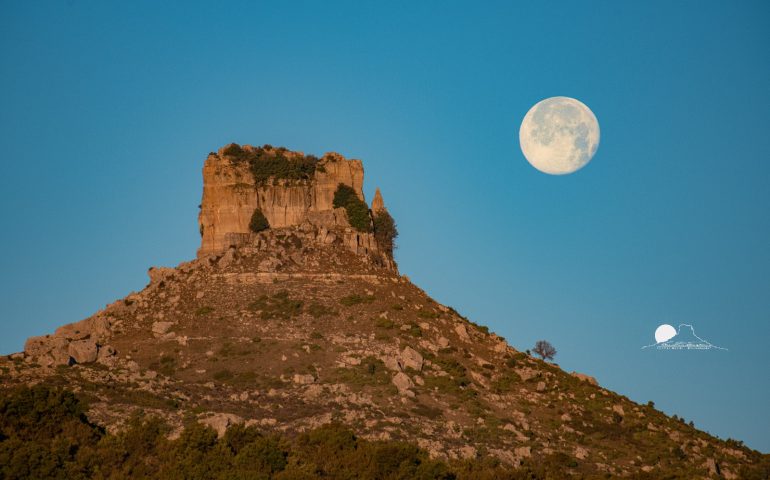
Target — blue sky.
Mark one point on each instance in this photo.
(108, 110)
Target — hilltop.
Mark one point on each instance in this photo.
(294, 316)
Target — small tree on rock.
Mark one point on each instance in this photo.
(385, 231)
(358, 212)
(258, 221)
(544, 349)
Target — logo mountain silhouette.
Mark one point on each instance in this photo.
(685, 339)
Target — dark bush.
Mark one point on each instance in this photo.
(358, 212)
(258, 221)
(385, 232)
(262, 455)
(355, 299)
(344, 195)
(358, 216)
(223, 375)
(278, 306)
(234, 150)
(268, 163)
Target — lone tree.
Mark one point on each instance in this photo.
(544, 349)
(385, 231)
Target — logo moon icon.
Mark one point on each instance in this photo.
(664, 332)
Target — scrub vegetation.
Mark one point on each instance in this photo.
(268, 163)
(44, 433)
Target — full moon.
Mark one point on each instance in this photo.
(664, 332)
(559, 135)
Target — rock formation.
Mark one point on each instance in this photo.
(80, 342)
(378, 204)
(231, 194)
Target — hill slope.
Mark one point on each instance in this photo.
(290, 329)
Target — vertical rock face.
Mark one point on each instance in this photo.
(230, 196)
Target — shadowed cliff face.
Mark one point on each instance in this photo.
(231, 194)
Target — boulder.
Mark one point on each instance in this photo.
(83, 351)
(712, 467)
(161, 328)
(468, 452)
(523, 452)
(269, 265)
(105, 353)
(37, 346)
(581, 453)
(48, 350)
(391, 363)
(305, 379)
(160, 274)
(462, 332)
(403, 383)
(227, 259)
(411, 358)
(221, 421)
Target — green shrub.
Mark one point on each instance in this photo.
(205, 310)
(385, 232)
(414, 330)
(262, 455)
(426, 411)
(223, 375)
(166, 365)
(385, 323)
(358, 216)
(371, 372)
(268, 163)
(234, 150)
(506, 382)
(358, 212)
(278, 306)
(422, 313)
(258, 221)
(316, 310)
(344, 195)
(355, 299)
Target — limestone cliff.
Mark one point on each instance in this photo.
(231, 194)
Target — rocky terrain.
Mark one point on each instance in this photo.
(309, 322)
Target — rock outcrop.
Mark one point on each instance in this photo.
(79, 342)
(231, 195)
(378, 204)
